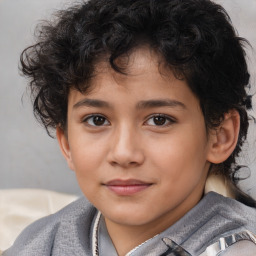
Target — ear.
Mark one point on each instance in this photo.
(64, 146)
(223, 140)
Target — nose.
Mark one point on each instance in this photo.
(126, 149)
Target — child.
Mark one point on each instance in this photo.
(148, 99)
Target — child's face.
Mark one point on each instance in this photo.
(138, 144)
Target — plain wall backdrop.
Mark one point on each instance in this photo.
(29, 158)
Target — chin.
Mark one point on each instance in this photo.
(129, 217)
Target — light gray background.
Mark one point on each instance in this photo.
(28, 157)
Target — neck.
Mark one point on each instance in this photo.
(126, 238)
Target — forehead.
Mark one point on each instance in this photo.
(139, 60)
(141, 63)
(147, 78)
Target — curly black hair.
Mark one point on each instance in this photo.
(195, 38)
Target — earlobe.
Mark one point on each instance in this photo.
(224, 138)
(64, 146)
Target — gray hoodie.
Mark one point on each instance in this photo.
(213, 221)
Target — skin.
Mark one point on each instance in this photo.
(170, 155)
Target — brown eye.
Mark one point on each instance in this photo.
(159, 120)
(99, 120)
(96, 120)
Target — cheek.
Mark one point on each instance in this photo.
(181, 157)
(86, 156)
(86, 160)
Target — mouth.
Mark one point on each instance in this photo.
(127, 187)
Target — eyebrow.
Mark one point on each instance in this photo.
(160, 103)
(92, 103)
(140, 105)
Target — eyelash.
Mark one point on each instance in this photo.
(165, 122)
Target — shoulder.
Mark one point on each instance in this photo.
(235, 244)
(241, 248)
(213, 218)
(229, 209)
(228, 215)
(62, 229)
(229, 219)
(236, 211)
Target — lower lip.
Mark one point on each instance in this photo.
(128, 189)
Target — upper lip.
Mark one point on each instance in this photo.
(129, 182)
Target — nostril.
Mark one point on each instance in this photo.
(124, 164)
(133, 163)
